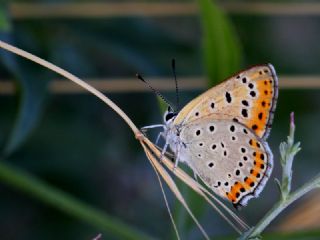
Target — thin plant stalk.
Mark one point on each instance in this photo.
(288, 150)
(282, 205)
(198, 188)
(170, 182)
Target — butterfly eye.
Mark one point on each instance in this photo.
(169, 116)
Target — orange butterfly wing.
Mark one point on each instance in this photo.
(249, 97)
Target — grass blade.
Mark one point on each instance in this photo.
(58, 199)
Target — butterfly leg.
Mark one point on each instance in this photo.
(161, 134)
(177, 157)
(195, 176)
(164, 149)
(145, 128)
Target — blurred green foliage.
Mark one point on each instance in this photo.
(31, 92)
(4, 23)
(221, 48)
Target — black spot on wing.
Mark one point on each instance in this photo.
(228, 97)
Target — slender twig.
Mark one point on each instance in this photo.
(72, 78)
(120, 85)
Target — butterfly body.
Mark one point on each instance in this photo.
(221, 134)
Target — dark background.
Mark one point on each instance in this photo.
(73, 142)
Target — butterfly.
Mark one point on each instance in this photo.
(221, 134)
(152, 152)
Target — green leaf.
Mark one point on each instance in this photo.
(4, 23)
(31, 85)
(66, 203)
(32, 92)
(221, 48)
(162, 105)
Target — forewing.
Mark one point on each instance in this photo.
(249, 97)
(228, 157)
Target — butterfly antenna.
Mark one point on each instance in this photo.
(154, 90)
(173, 65)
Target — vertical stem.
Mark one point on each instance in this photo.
(288, 150)
(287, 156)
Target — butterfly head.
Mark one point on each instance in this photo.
(169, 115)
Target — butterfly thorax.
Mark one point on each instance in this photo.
(174, 139)
(171, 131)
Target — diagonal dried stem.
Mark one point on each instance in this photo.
(72, 78)
(173, 187)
